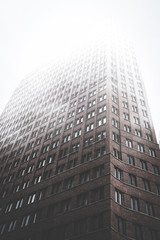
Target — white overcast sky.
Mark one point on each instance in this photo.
(32, 32)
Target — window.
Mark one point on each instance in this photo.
(41, 130)
(136, 120)
(101, 121)
(102, 109)
(126, 116)
(52, 124)
(157, 188)
(19, 203)
(24, 139)
(31, 198)
(68, 183)
(51, 158)
(29, 169)
(60, 169)
(152, 234)
(69, 125)
(48, 136)
(90, 114)
(72, 163)
(147, 124)
(92, 103)
(118, 173)
(82, 200)
(155, 169)
(34, 154)
(124, 94)
(142, 102)
(131, 160)
(116, 153)
(77, 133)
(60, 120)
(98, 171)
(149, 137)
(137, 231)
(114, 99)
(115, 137)
(103, 87)
(37, 179)
(120, 225)
(88, 141)
(118, 196)
(79, 120)
(30, 145)
(123, 85)
(86, 157)
(25, 184)
(71, 114)
(41, 194)
(89, 127)
(21, 172)
(100, 152)
(141, 147)
(80, 109)
(132, 89)
(149, 209)
(58, 131)
(56, 188)
(143, 164)
(80, 227)
(129, 143)
(146, 184)
(115, 110)
(152, 152)
(102, 97)
(75, 147)
(140, 92)
(115, 123)
(41, 163)
(67, 138)
(139, 84)
(144, 112)
(134, 204)
(132, 180)
(91, 94)
(45, 149)
(8, 208)
(2, 228)
(134, 109)
(63, 109)
(97, 194)
(72, 104)
(84, 177)
(131, 81)
(25, 221)
(82, 99)
(55, 144)
(12, 225)
(138, 133)
(124, 104)
(51, 211)
(97, 222)
(47, 174)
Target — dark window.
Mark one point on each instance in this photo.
(137, 232)
(82, 200)
(97, 194)
(120, 225)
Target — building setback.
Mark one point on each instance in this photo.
(79, 158)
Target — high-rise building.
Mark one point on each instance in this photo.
(79, 158)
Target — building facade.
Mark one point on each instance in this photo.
(78, 152)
